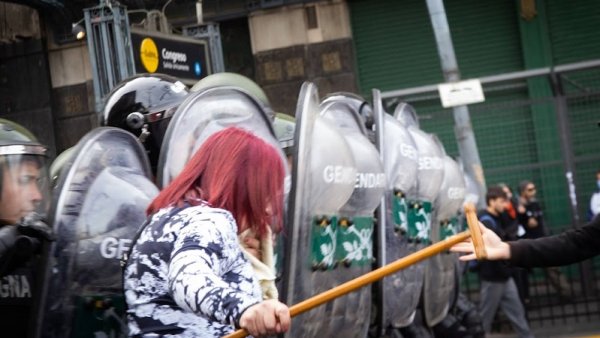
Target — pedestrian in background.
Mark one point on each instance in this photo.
(594, 208)
(515, 231)
(530, 212)
(498, 288)
(532, 218)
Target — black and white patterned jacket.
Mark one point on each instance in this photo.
(187, 276)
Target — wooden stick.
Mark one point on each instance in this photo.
(378, 274)
(471, 216)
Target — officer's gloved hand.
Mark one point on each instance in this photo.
(35, 226)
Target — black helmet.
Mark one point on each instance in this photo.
(24, 188)
(144, 105)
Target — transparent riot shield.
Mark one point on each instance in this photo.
(430, 174)
(357, 104)
(350, 315)
(208, 110)
(398, 294)
(406, 114)
(99, 205)
(472, 190)
(323, 178)
(202, 114)
(440, 274)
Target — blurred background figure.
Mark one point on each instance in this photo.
(594, 209)
(514, 230)
(531, 216)
(498, 289)
(530, 212)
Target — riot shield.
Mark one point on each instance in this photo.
(406, 114)
(99, 204)
(396, 293)
(440, 271)
(323, 178)
(356, 103)
(472, 190)
(354, 249)
(379, 243)
(58, 165)
(418, 206)
(429, 177)
(202, 114)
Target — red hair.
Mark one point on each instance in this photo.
(236, 171)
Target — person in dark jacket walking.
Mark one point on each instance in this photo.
(498, 289)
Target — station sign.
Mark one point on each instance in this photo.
(460, 93)
(184, 58)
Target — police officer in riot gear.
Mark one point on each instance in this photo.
(24, 200)
(144, 105)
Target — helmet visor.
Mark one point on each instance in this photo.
(25, 189)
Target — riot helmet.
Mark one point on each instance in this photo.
(226, 79)
(284, 126)
(24, 186)
(56, 167)
(144, 105)
(357, 102)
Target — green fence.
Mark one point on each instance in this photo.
(522, 137)
(550, 139)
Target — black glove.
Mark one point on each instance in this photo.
(35, 226)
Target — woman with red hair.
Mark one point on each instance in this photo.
(187, 275)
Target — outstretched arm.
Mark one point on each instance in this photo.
(571, 246)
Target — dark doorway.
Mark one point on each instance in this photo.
(237, 47)
(25, 87)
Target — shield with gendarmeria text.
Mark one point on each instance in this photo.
(323, 179)
(440, 274)
(350, 314)
(99, 204)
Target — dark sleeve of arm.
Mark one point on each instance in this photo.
(572, 246)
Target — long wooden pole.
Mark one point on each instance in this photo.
(386, 270)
